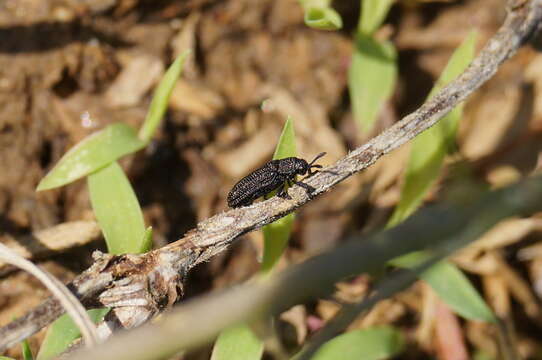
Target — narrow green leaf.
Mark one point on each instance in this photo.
(91, 154)
(481, 355)
(6, 358)
(371, 79)
(147, 240)
(237, 343)
(117, 210)
(63, 332)
(423, 169)
(429, 148)
(314, 3)
(369, 344)
(451, 285)
(323, 18)
(286, 144)
(276, 234)
(373, 13)
(27, 352)
(161, 97)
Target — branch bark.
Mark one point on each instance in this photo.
(138, 287)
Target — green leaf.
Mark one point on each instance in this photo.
(161, 98)
(451, 285)
(27, 352)
(276, 234)
(117, 210)
(314, 3)
(481, 355)
(147, 240)
(323, 18)
(286, 144)
(369, 344)
(91, 154)
(429, 148)
(6, 358)
(63, 332)
(423, 169)
(371, 79)
(237, 343)
(373, 13)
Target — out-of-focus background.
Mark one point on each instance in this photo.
(68, 68)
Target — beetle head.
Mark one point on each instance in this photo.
(302, 167)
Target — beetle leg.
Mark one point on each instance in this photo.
(246, 203)
(283, 193)
(307, 187)
(314, 172)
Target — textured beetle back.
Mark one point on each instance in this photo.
(254, 185)
(287, 166)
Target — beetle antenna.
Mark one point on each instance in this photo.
(316, 158)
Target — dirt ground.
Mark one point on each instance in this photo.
(68, 68)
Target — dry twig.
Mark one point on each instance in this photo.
(139, 286)
(68, 301)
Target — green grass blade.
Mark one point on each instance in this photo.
(429, 148)
(452, 286)
(314, 3)
(91, 154)
(27, 352)
(371, 79)
(161, 97)
(6, 358)
(286, 144)
(481, 355)
(63, 332)
(276, 234)
(373, 13)
(276, 237)
(426, 161)
(322, 18)
(237, 343)
(369, 344)
(117, 210)
(146, 243)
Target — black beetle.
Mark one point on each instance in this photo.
(273, 175)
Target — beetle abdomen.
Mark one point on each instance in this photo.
(255, 185)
